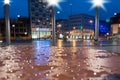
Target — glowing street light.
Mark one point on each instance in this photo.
(7, 21)
(53, 3)
(7, 2)
(14, 29)
(97, 4)
(91, 21)
(59, 26)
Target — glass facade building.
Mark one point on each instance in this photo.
(40, 19)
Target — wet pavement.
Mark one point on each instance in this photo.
(41, 61)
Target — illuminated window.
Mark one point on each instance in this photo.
(47, 18)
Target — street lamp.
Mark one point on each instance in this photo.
(7, 2)
(14, 30)
(91, 21)
(25, 35)
(18, 16)
(97, 4)
(7, 21)
(59, 26)
(53, 3)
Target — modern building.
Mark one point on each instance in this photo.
(62, 24)
(40, 19)
(20, 28)
(62, 27)
(81, 26)
(115, 26)
(80, 21)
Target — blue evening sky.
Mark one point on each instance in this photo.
(78, 6)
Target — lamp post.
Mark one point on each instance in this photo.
(97, 4)
(53, 27)
(97, 24)
(7, 21)
(53, 3)
(14, 30)
(25, 35)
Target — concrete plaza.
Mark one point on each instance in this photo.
(67, 61)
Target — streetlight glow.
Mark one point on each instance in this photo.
(58, 12)
(6, 1)
(91, 21)
(54, 3)
(98, 3)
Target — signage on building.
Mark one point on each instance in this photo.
(42, 29)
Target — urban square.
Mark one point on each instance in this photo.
(59, 40)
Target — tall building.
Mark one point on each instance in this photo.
(81, 26)
(61, 27)
(115, 26)
(40, 19)
(81, 21)
(20, 28)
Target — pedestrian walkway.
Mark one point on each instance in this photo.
(41, 61)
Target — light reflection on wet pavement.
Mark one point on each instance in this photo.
(41, 61)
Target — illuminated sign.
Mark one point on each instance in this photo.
(42, 29)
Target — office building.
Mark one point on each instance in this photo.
(81, 26)
(115, 26)
(20, 29)
(40, 19)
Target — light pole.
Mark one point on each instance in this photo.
(59, 30)
(14, 30)
(53, 3)
(91, 25)
(97, 4)
(53, 27)
(25, 35)
(97, 24)
(7, 21)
